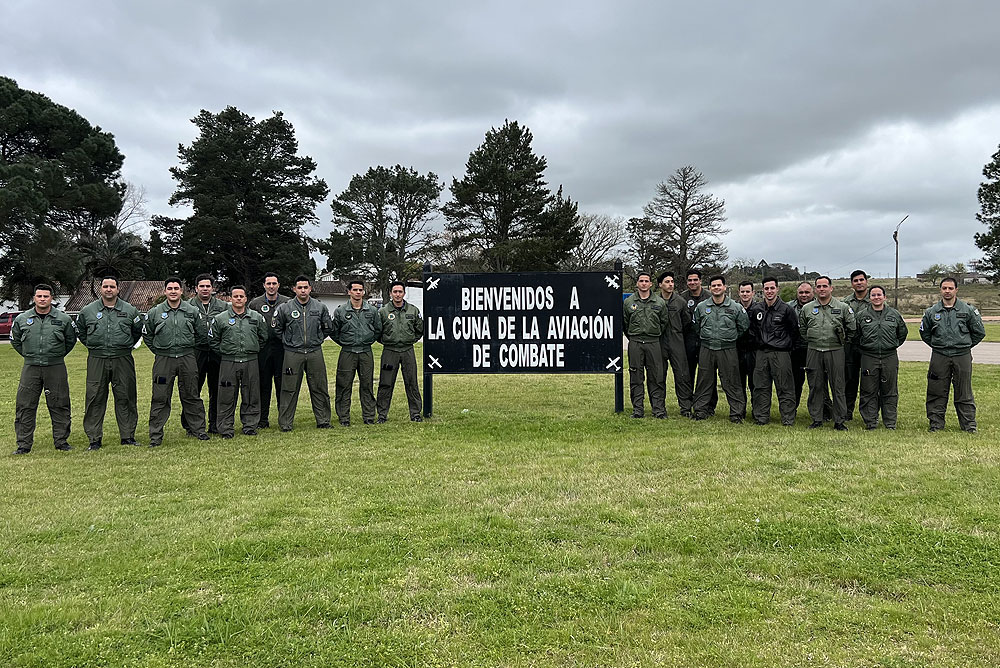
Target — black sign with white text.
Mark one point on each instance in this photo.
(547, 322)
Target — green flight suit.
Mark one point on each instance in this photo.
(674, 351)
(880, 333)
(172, 334)
(43, 341)
(109, 333)
(719, 326)
(237, 339)
(303, 328)
(951, 333)
(355, 329)
(852, 356)
(644, 322)
(401, 328)
(825, 329)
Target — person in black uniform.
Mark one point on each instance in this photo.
(271, 353)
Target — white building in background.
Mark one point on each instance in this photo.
(415, 294)
(330, 291)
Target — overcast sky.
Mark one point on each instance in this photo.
(820, 125)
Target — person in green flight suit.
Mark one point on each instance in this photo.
(826, 324)
(881, 330)
(43, 336)
(237, 335)
(672, 342)
(110, 327)
(356, 326)
(171, 330)
(402, 326)
(720, 322)
(858, 301)
(645, 319)
(303, 324)
(952, 328)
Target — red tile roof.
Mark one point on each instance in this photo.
(140, 294)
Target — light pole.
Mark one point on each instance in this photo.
(895, 237)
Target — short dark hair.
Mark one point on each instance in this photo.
(173, 279)
(742, 283)
(44, 286)
(693, 271)
(876, 287)
(820, 278)
(769, 279)
(659, 279)
(399, 283)
(858, 272)
(110, 278)
(801, 283)
(204, 277)
(717, 277)
(351, 283)
(303, 277)
(238, 287)
(269, 275)
(643, 273)
(954, 281)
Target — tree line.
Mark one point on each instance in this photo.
(66, 214)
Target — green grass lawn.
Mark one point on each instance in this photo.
(525, 524)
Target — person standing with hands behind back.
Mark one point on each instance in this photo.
(402, 326)
(43, 336)
(881, 331)
(356, 326)
(952, 329)
(303, 324)
(645, 319)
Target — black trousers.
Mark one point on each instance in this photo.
(208, 369)
(269, 362)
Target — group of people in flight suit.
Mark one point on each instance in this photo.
(241, 348)
(845, 348)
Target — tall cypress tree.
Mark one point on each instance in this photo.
(989, 215)
(503, 209)
(252, 196)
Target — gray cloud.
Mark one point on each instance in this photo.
(820, 125)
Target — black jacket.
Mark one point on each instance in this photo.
(773, 327)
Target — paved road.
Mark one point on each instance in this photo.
(917, 351)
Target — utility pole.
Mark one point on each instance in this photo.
(895, 237)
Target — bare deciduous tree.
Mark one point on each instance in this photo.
(687, 221)
(601, 245)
